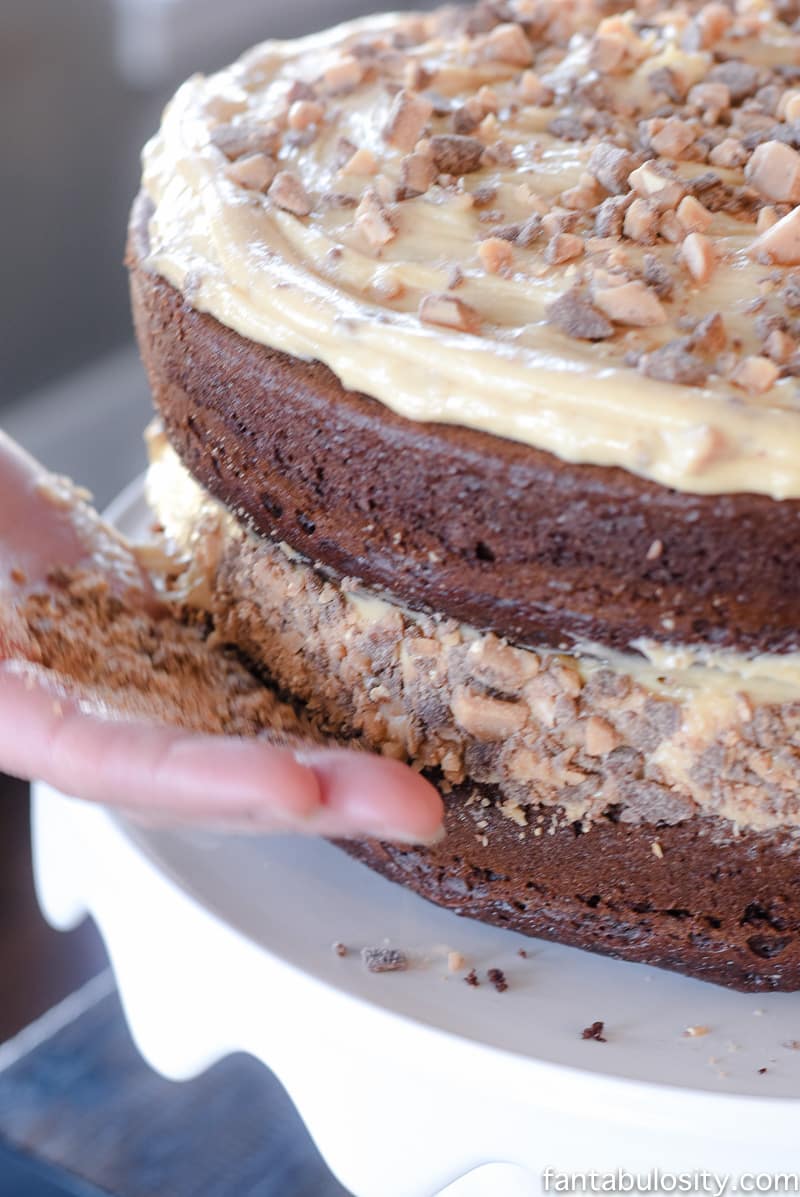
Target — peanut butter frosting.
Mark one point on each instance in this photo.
(573, 228)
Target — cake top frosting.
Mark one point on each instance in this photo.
(576, 228)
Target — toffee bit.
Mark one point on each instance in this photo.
(455, 278)
(774, 171)
(780, 243)
(304, 113)
(408, 117)
(575, 316)
(522, 233)
(455, 154)
(595, 1031)
(631, 303)
(237, 140)
(339, 199)
(288, 192)
(254, 172)
(611, 165)
(362, 162)
(740, 78)
(791, 292)
(508, 43)
(343, 151)
(384, 960)
(641, 222)
(529, 232)
(484, 195)
(465, 120)
(709, 336)
(610, 215)
(449, 312)
(674, 362)
(300, 90)
(693, 215)
(652, 184)
(472, 979)
(498, 979)
(755, 374)
(339, 949)
(496, 255)
(658, 277)
(343, 76)
(417, 172)
(563, 247)
(568, 128)
(699, 256)
(374, 221)
(670, 82)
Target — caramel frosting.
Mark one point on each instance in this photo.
(571, 229)
(666, 733)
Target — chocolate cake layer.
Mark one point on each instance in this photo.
(689, 897)
(490, 531)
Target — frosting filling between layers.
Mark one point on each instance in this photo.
(345, 271)
(659, 741)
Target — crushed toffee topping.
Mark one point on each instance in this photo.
(593, 179)
(652, 105)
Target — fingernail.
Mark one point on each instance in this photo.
(403, 836)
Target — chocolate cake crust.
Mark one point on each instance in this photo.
(443, 518)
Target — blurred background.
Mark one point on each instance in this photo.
(82, 85)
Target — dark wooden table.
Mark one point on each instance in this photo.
(81, 1114)
(39, 966)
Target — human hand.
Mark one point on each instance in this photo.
(52, 731)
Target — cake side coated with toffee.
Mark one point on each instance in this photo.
(474, 335)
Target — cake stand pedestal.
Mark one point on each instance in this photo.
(413, 1081)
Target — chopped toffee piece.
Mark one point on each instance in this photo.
(417, 173)
(574, 315)
(384, 960)
(774, 171)
(255, 172)
(630, 303)
(674, 362)
(450, 312)
(611, 165)
(780, 243)
(408, 117)
(288, 192)
(374, 221)
(454, 154)
(498, 978)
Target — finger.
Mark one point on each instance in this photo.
(217, 780)
(377, 795)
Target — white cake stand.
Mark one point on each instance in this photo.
(409, 1081)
